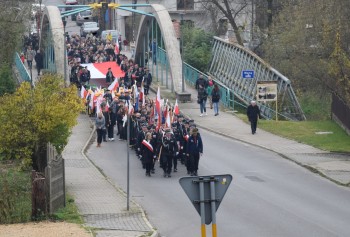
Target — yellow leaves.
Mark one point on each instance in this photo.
(40, 115)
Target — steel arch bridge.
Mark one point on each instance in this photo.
(227, 63)
(228, 60)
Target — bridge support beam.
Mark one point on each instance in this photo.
(171, 46)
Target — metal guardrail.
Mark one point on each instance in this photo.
(23, 72)
(191, 74)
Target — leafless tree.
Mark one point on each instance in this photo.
(230, 9)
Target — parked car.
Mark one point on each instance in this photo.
(87, 27)
(114, 33)
(84, 17)
(71, 2)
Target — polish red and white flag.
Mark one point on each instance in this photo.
(158, 106)
(114, 86)
(99, 70)
(83, 92)
(176, 108)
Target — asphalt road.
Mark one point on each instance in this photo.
(269, 196)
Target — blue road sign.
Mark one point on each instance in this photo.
(248, 74)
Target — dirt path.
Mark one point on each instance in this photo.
(47, 229)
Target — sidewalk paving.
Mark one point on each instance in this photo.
(102, 205)
(333, 166)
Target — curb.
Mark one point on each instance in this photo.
(84, 149)
(312, 169)
(308, 167)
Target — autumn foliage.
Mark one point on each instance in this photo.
(30, 118)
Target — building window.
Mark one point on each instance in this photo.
(185, 4)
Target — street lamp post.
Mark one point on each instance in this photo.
(182, 52)
(40, 13)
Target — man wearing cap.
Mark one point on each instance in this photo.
(253, 113)
(108, 96)
(147, 80)
(168, 152)
(109, 76)
(194, 151)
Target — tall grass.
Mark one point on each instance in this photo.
(15, 198)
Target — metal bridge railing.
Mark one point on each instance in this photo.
(191, 74)
(230, 60)
(23, 72)
(226, 96)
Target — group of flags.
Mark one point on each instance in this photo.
(164, 112)
(161, 111)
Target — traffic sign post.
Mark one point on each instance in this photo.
(206, 194)
(248, 74)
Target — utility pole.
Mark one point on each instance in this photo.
(182, 51)
(103, 16)
(133, 21)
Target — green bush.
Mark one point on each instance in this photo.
(7, 83)
(197, 47)
(15, 198)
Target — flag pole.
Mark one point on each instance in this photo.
(128, 161)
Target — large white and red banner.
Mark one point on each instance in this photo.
(99, 70)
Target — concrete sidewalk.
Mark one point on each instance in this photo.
(102, 205)
(335, 167)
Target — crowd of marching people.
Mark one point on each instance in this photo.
(157, 131)
(92, 49)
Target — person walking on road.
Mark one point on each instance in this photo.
(209, 90)
(194, 151)
(109, 76)
(39, 61)
(201, 82)
(30, 56)
(100, 127)
(147, 153)
(202, 100)
(253, 113)
(215, 94)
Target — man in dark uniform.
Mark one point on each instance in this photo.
(194, 151)
(141, 135)
(109, 76)
(253, 113)
(154, 141)
(168, 152)
(177, 137)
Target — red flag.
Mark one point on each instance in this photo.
(167, 120)
(116, 48)
(83, 92)
(158, 108)
(176, 108)
(114, 85)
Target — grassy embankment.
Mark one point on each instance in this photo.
(15, 198)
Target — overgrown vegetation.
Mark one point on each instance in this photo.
(309, 43)
(33, 117)
(197, 47)
(7, 83)
(68, 213)
(15, 198)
